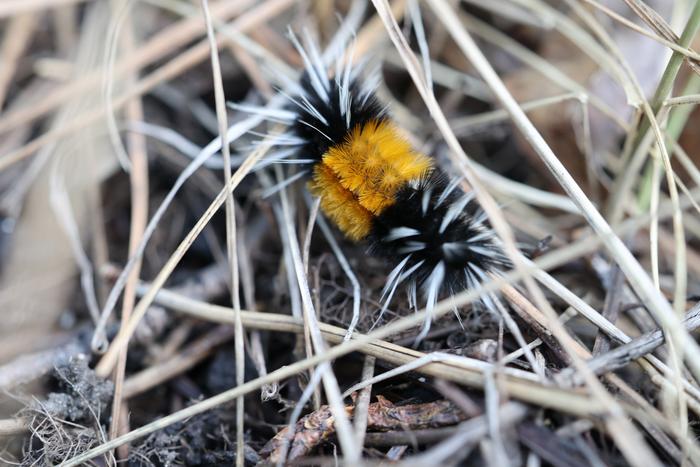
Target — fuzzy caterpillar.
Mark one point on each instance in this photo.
(377, 189)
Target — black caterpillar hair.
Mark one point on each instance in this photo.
(377, 189)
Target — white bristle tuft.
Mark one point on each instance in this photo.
(431, 289)
(412, 269)
(265, 164)
(285, 81)
(370, 85)
(392, 283)
(394, 276)
(282, 139)
(316, 60)
(314, 76)
(484, 251)
(286, 116)
(446, 192)
(425, 200)
(400, 232)
(317, 130)
(479, 218)
(488, 299)
(412, 296)
(412, 247)
(336, 47)
(455, 210)
(305, 105)
(455, 310)
(472, 282)
(414, 184)
(345, 97)
(313, 110)
(480, 237)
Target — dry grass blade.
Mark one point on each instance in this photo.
(231, 243)
(107, 363)
(156, 48)
(667, 38)
(15, 41)
(17, 7)
(535, 302)
(347, 440)
(175, 67)
(138, 174)
(638, 347)
(534, 393)
(633, 270)
(656, 22)
(333, 353)
(631, 443)
(541, 397)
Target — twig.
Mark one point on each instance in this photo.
(413, 437)
(29, 367)
(468, 433)
(315, 427)
(611, 308)
(635, 349)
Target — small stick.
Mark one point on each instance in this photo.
(611, 308)
(635, 349)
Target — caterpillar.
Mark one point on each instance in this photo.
(377, 189)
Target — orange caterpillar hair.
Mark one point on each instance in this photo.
(359, 178)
